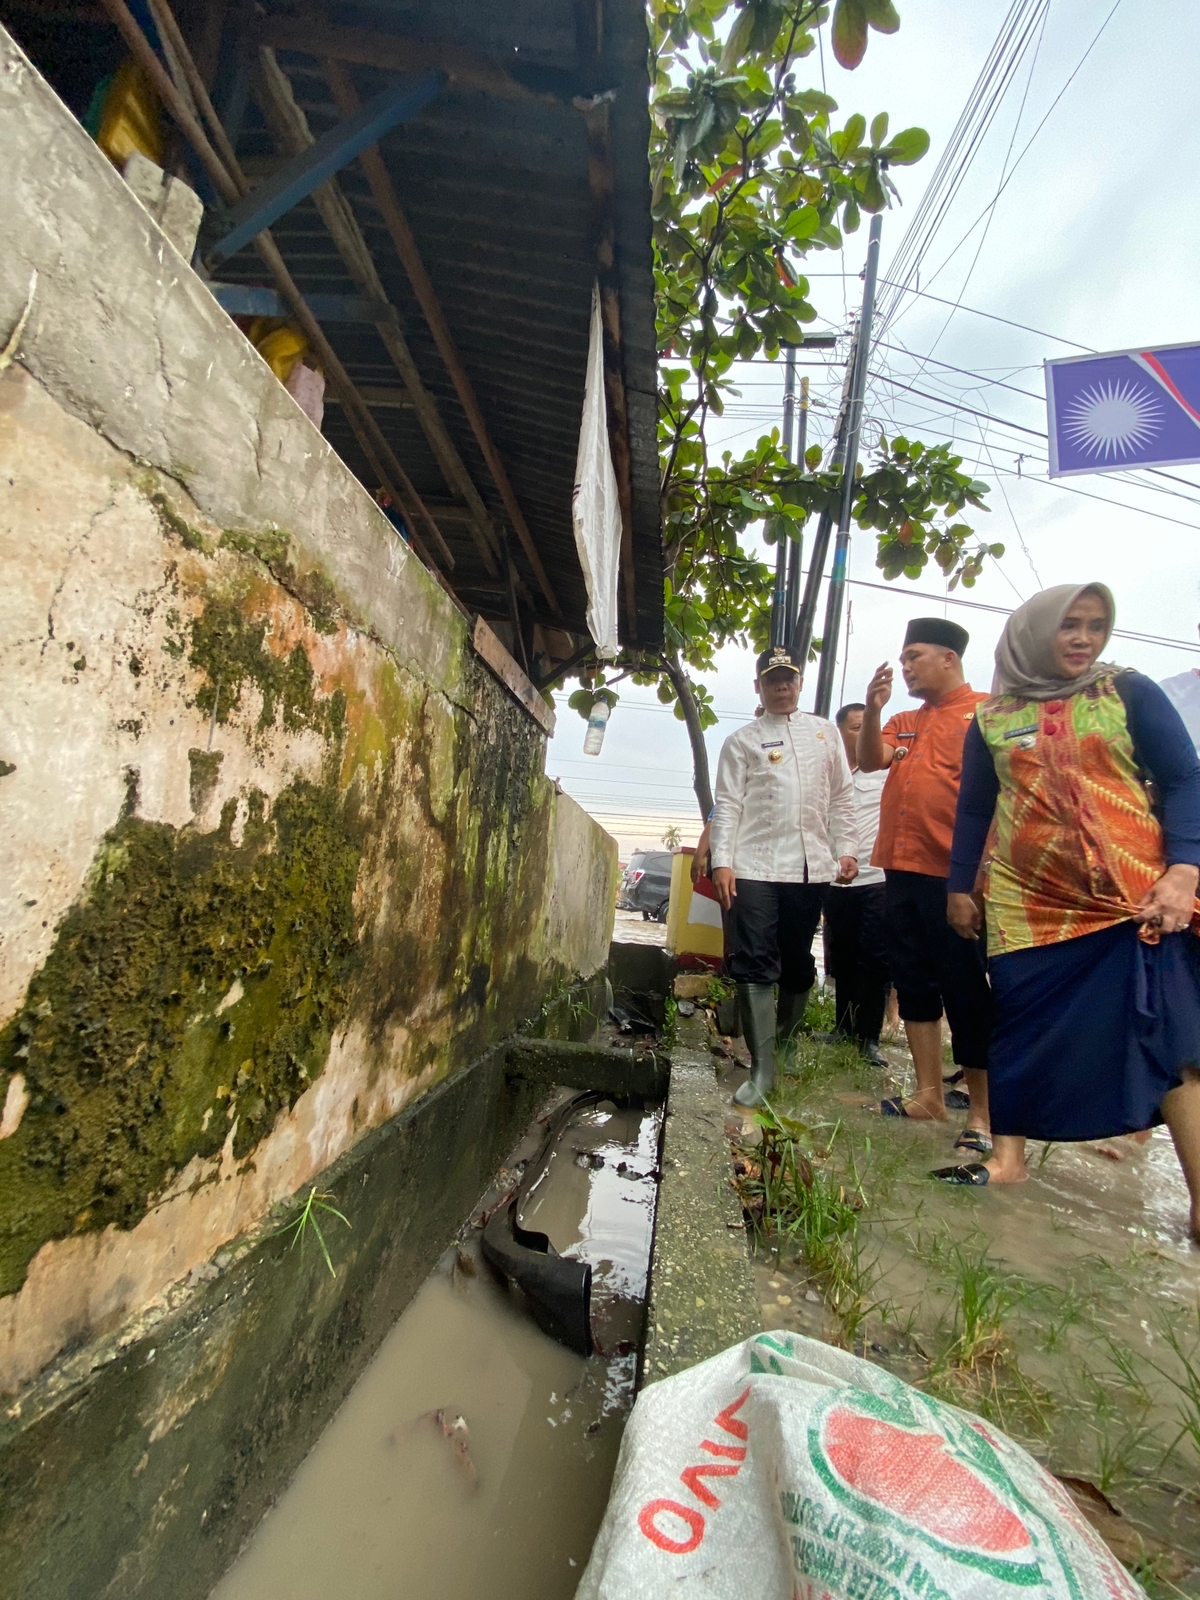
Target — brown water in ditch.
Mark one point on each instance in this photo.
(474, 1455)
(1090, 1273)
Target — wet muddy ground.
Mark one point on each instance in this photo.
(474, 1456)
(1067, 1310)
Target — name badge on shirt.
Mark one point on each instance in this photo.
(773, 744)
(1025, 738)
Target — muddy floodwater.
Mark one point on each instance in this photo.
(1066, 1309)
(474, 1455)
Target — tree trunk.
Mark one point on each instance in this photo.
(691, 716)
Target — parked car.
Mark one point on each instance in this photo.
(646, 884)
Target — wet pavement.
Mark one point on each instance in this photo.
(474, 1455)
(631, 928)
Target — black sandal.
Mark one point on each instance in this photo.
(972, 1176)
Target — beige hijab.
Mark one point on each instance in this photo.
(1025, 664)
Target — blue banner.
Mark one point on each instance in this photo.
(1132, 408)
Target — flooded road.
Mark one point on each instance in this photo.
(474, 1455)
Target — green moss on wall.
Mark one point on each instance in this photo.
(313, 589)
(199, 982)
(230, 649)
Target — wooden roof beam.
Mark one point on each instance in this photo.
(346, 99)
(291, 130)
(468, 69)
(231, 184)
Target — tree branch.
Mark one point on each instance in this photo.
(691, 716)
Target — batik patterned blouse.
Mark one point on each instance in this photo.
(1057, 789)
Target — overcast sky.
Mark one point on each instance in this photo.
(1095, 240)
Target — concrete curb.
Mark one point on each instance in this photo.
(702, 1297)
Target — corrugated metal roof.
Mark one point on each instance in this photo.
(497, 193)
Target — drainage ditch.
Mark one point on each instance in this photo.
(475, 1453)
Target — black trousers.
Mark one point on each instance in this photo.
(935, 970)
(771, 931)
(856, 941)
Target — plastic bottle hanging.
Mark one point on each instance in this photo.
(597, 722)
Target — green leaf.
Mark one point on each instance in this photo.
(813, 102)
(849, 32)
(738, 41)
(882, 15)
(879, 128)
(852, 134)
(802, 223)
(873, 197)
(906, 147)
(850, 217)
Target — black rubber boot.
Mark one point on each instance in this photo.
(869, 1050)
(757, 1005)
(789, 1014)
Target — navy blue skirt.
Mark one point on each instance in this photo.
(1090, 1034)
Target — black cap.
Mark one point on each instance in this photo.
(940, 631)
(779, 656)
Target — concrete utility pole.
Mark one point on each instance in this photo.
(802, 627)
(796, 546)
(853, 430)
(779, 597)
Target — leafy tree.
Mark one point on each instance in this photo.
(672, 838)
(750, 173)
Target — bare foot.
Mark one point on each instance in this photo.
(1108, 1151)
(999, 1173)
(926, 1105)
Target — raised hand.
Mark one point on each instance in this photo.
(879, 690)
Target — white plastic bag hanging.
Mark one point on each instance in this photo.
(595, 508)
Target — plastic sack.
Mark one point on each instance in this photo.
(280, 343)
(787, 1470)
(130, 117)
(595, 507)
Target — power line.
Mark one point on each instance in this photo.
(1004, 176)
(1008, 179)
(1006, 611)
(976, 117)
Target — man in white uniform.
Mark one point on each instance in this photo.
(782, 829)
(854, 925)
(1183, 692)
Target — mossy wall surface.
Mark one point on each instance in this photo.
(318, 879)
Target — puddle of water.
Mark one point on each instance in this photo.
(594, 1198)
(397, 1498)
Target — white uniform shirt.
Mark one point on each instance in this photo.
(1184, 694)
(784, 801)
(868, 793)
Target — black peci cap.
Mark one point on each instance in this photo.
(940, 631)
(779, 656)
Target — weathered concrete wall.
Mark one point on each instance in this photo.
(277, 851)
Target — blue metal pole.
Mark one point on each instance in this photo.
(297, 178)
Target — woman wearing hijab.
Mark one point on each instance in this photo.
(1080, 781)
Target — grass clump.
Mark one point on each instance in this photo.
(797, 1206)
(309, 1222)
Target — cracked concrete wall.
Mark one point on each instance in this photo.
(277, 851)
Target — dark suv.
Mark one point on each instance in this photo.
(646, 884)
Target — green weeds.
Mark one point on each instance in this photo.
(797, 1206)
(309, 1222)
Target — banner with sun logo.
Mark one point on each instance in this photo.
(1131, 408)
